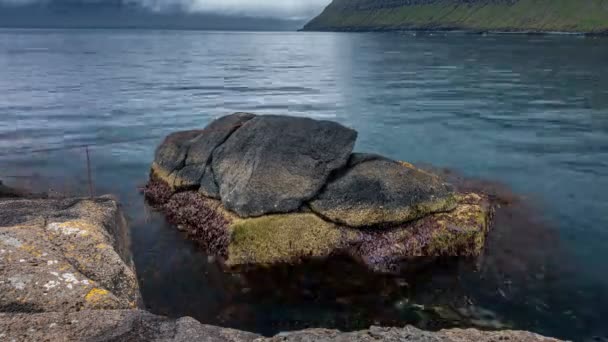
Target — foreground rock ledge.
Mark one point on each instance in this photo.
(135, 326)
(65, 254)
(275, 189)
(66, 275)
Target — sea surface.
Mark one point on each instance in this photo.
(524, 114)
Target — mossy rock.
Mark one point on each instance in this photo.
(284, 238)
(374, 191)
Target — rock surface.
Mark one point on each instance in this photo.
(374, 190)
(196, 169)
(256, 165)
(171, 155)
(65, 254)
(273, 164)
(408, 334)
(136, 326)
(276, 189)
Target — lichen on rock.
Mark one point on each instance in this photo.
(374, 190)
(57, 252)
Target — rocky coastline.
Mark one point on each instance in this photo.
(66, 271)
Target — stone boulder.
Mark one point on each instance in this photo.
(273, 164)
(274, 189)
(65, 255)
(373, 190)
(256, 165)
(141, 326)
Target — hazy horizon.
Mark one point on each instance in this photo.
(163, 14)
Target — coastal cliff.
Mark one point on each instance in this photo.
(576, 16)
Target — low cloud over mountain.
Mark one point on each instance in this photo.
(197, 14)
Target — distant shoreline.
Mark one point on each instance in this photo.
(459, 31)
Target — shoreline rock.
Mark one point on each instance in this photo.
(312, 198)
(141, 326)
(65, 254)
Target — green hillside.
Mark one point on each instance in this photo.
(589, 16)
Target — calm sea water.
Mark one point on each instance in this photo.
(529, 112)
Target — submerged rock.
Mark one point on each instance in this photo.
(375, 190)
(65, 255)
(141, 326)
(285, 188)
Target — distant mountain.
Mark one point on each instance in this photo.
(588, 16)
(121, 14)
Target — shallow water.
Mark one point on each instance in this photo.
(529, 112)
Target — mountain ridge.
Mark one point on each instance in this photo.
(576, 16)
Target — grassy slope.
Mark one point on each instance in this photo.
(533, 15)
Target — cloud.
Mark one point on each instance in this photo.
(258, 8)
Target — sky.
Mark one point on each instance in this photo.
(285, 9)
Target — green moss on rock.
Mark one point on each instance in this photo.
(283, 238)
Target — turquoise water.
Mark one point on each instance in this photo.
(529, 112)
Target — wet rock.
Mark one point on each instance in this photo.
(284, 238)
(65, 255)
(289, 238)
(373, 190)
(273, 164)
(461, 232)
(136, 326)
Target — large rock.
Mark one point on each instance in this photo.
(140, 326)
(374, 190)
(288, 238)
(256, 165)
(65, 255)
(273, 164)
(275, 189)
